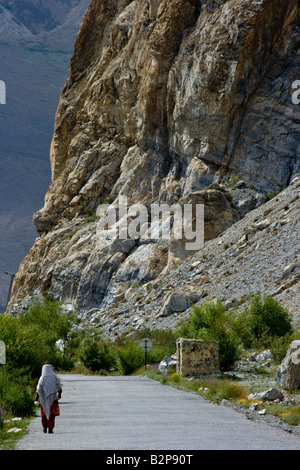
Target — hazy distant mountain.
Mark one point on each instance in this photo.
(38, 16)
(51, 25)
(36, 43)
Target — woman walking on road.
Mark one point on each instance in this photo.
(48, 393)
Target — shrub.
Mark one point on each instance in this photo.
(130, 357)
(218, 390)
(95, 353)
(49, 317)
(268, 319)
(175, 377)
(242, 328)
(279, 347)
(30, 338)
(15, 392)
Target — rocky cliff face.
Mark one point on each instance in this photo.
(168, 101)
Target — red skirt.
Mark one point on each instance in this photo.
(54, 409)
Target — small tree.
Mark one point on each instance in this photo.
(130, 356)
(268, 319)
(96, 353)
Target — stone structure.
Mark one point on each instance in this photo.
(197, 357)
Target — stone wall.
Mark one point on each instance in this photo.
(197, 357)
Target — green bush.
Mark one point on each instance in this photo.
(15, 392)
(30, 342)
(268, 319)
(96, 353)
(130, 357)
(49, 318)
(279, 347)
(242, 328)
(30, 337)
(175, 377)
(212, 322)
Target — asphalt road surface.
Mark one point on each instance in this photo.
(137, 413)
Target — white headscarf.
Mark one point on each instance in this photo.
(47, 388)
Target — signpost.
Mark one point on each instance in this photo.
(146, 345)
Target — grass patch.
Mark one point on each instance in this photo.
(218, 390)
(293, 417)
(289, 414)
(212, 389)
(8, 440)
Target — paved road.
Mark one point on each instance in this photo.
(136, 413)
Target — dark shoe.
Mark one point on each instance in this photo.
(50, 431)
(45, 430)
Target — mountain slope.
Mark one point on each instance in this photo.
(166, 102)
(260, 254)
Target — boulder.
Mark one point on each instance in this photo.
(261, 357)
(269, 395)
(253, 407)
(288, 373)
(177, 302)
(14, 430)
(165, 363)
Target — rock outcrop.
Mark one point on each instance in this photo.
(167, 101)
(288, 373)
(258, 254)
